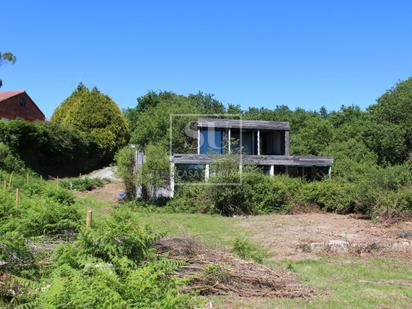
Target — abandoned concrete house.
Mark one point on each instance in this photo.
(261, 143)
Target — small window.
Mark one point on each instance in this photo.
(22, 102)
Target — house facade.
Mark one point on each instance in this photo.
(19, 105)
(265, 144)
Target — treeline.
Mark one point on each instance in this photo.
(371, 150)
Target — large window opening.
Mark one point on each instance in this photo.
(248, 140)
(212, 141)
(272, 142)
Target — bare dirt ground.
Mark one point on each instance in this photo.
(106, 194)
(304, 236)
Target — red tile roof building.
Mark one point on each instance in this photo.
(18, 105)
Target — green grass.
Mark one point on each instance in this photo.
(215, 231)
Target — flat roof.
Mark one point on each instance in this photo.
(240, 123)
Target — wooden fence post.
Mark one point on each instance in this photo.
(89, 217)
(17, 197)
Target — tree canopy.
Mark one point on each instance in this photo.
(382, 134)
(93, 112)
(9, 57)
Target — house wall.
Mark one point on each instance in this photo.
(11, 109)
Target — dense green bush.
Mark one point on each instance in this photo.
(332, 196)
(8, 160)
(96, 114)
(191, 199)
(258, 193)
(48, 149)
(45, 217)
(252, 193)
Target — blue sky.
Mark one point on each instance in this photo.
(253, 53)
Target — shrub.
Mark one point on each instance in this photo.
(99, 286)
(255, 194)
(59, 195)
(47, 217)
(81, 184)
(118, 237)
(246, 250)
(125, 160)
(8, 160)
(191, 199)
(330, 195)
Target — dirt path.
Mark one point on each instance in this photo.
(306, 235)
(107, 194)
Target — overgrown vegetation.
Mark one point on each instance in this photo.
(49, 149)
(82, 184)
(111, 265)
(371, 149)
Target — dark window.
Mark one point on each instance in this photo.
(22, 102)
(272, 142)
(249, 142)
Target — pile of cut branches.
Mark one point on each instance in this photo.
(217, 273)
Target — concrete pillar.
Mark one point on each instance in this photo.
(172, 179)
(287, 170)
(139, 160)
(198, 141)
(287, 143)
(207, 172)
(258, 142)
(272, 171)
(330, 172)
(229, 137)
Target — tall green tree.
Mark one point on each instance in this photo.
(97, 114)
(6, 57)
(150, 120)
(395, 107)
